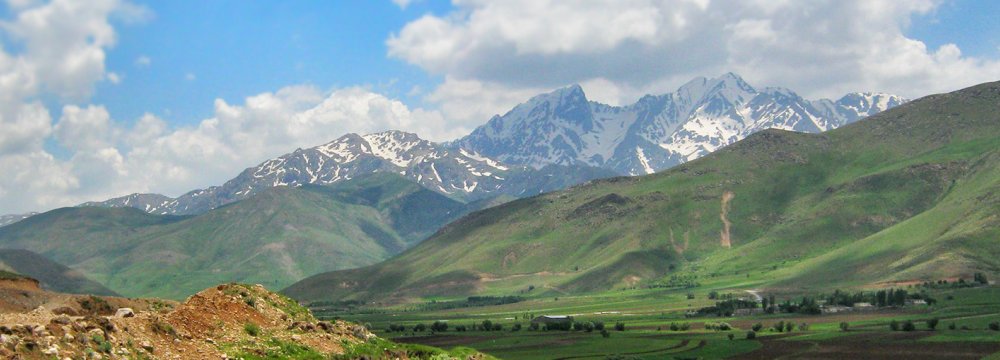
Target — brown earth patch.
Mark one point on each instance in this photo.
(724, 235)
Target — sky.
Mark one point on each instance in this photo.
(103, 98)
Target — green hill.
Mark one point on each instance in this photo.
(912, 193)
(275, 238)
(51, 275)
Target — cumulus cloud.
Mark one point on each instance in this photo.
(622, 49)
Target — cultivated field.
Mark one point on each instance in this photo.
(963, 330)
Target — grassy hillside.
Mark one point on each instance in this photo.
(911, 193)
(52, 275)
(274, 238)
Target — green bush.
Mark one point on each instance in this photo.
(731, 336)
(908, 326)
(620, 326)
(894, 325)
(251, 329)
(932, 323)
(605, 333)
(757, 327)
(844, 326)
(439, 326)
(995, 326)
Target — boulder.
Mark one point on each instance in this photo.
(124, 313)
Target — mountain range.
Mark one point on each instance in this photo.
(552, 141)
(361, 199)
(657, 132)
(909, 194)
(274, 238)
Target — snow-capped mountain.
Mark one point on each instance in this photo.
(454, 172)
(10, 219)
(657, 132)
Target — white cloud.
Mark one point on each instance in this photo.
(190, 77)
(402, 3)
(625, 48)
(143, 61)
(115, 78)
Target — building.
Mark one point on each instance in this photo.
(748, 312)
(863, 306)
(834, 309)
(913, 302)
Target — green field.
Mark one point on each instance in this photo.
(648, 314)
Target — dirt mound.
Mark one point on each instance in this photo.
(227, 321)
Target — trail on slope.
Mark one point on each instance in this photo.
(725, 239)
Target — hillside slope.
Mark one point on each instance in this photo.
(911, 193)
(53, 276)
(275, 238)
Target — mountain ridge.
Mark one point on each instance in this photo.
(908, 194)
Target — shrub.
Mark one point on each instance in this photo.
(588, 326)
(620, 326)
(725, 327)
(577, 326)
(804, 327)
(460, 328)
(894, 325)
(789, 326)
(751, 335)
(497, 327)
(844, 326)
(674, 327)
(995, 326)
(685, 326)
(605, 333)
(951, 326)
(932, 324)
(419, 327)
(515, 327)
(731, 336)
(779, 327)
(487, 325)
(533, 326)
(756, 327)
(439, 326)
(908, 326)
(598, 325)
(251, 329)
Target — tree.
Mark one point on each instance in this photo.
(731, 336)
(605, 333)
(588, 326)
(756, 327)
(932, 323)
(844, 326)
(894, 325)
(620, 326)
(908, 326)
(439, 326)
(516, 327)
(713, 295)
(533, 326)
(419, 328)
(780, 326)
(980, 278)
(598, 325)
(751, 335)
(995, 326)
(674, 327)
(789, 326)
(804, 327)
(487, 325)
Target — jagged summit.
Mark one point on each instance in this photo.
(658, 131)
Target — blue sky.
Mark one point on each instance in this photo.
(238, 48)
(234, 49)
(102, 98)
